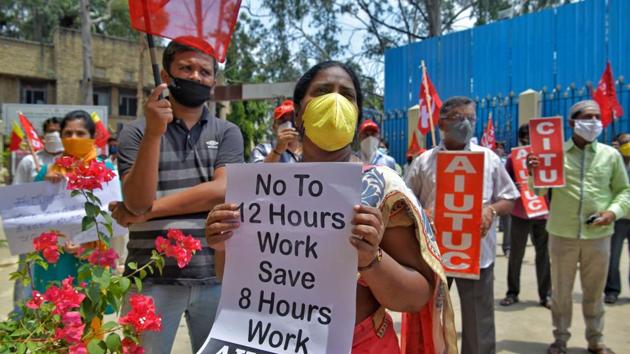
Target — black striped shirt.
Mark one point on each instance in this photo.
(187, 158)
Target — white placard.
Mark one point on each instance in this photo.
(29, 209)
(290, 278)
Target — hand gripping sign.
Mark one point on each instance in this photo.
(290, 274)
(458, 211)
(534, 205)
(546, 136)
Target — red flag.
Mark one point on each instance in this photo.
(414, 148)
(606, 97)
(203, 24)
(102, 134)
(488, 139)
(423, 122)
(31, 135)
(16, 137)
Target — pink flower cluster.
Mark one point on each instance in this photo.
(178, 246)
(73, 327)
(103, 258)
(142, 316)
(47, 244)
(88, 176)
(64, 298)
(130, 347)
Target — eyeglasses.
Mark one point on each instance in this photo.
(460, 117)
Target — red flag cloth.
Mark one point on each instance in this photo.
(436, 103)
(16, 137)
(488, 139)
(414, 148)
(606, 97)
(203, 24)
(36, 143)
(102, 134)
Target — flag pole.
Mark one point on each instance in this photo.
(427, 98)
(151, 44)
(28, 142)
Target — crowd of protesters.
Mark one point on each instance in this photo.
(171, 164)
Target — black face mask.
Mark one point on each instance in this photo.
(189, 93)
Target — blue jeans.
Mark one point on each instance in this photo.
(197, 303)
(622, 232)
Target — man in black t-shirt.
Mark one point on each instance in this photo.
(172, 167)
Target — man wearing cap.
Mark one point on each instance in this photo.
(370, 154)
(622, 232)
(287, 146)
(580, 224)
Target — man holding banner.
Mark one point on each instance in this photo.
(529, 216)
(486, 184)
(582, 213)
(172, 166)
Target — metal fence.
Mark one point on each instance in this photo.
(563, 48)
(504, 111)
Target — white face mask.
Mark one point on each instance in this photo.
(588, 129)
(52, 143)
(369, 146)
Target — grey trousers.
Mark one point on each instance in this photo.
(477, 307)
(591, 257)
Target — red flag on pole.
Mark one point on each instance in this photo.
(102, 134)
(33, 140)
(424, 125)
(16, 137)
(414, 148)
(203, 24)
(488, 139)
(606, 97)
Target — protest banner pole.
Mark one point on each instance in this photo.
(155, 68)
(30, 147)
(427, 98)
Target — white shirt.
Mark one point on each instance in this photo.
(26, 170)
(497, 185)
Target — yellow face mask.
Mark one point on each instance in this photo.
(330, 121)
(78, 147)
(625, 149)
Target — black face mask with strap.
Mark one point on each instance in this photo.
(189, 93)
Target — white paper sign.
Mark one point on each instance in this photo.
(290, 278)
(29, 209)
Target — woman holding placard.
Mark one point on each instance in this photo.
(398, 262)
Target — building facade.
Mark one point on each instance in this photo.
(51, 73)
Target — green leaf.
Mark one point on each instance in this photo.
(110, 228)
(138, 282)
(74, 193)
(21, 348)
(124, 284)
(132, 265)
(102, 277)
(94, 292)
(109, 325)
(143, 273)
(96, 347)
(32, 347)
(87, 223)
(113, 342)
(106, 216)
(91, 210)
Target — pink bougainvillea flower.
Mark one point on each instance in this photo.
(64, 298)
(90, 176)
(178, 246)
(73, 327)
(103, 258)
(36, 301)
(130, 347)
(142, 316)
(47, 244)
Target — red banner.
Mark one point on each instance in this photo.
(534, 205)
(546, 136)
(458, 211)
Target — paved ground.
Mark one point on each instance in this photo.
(524, 328)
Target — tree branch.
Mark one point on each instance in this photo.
(376, 20)
(451, 20)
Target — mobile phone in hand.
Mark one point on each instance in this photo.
(285, 125)
(591, 219)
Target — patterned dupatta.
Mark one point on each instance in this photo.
(432, 330)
